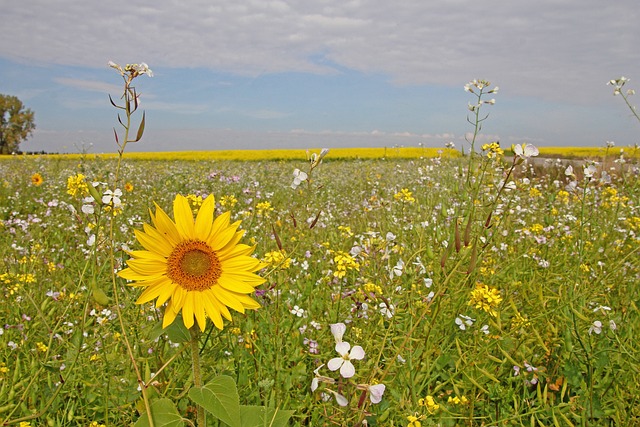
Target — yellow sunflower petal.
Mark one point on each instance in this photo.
(165, 291)
(211, 307)
(130, 274)
(222, 238)
(235, 285)
(220, 224)
(241, 262)
(233, 242)
(231, 251)
(199, 311)
(243, 276)
(146, 254)
(224, 311)
(169, 315)
(187, 310)
(204, 219)
(228, 298)
(248, 302)
(153, 241)
(150, 293)
(183, 216)
(179, 297)
(165, 225)
(146, 266)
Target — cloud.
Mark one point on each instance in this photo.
(547, 49)
(89, 85)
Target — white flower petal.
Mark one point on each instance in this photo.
(335, 363)
(347, 370)
(376, 392)
(356, 353)
(342, 401)
(338, 330)
(343, 348)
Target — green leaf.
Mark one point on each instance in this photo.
(176, 331)
(259, 416)
(164, 414)
(220, 398)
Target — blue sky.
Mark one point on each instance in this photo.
(322, 73)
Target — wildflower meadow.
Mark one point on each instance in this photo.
(472, 290)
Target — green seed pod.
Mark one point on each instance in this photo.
(99, 296)
(94, 193)
(429, 250)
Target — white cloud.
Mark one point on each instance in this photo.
(549, 49)
(90, 85)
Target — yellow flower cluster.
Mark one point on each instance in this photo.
(194, 201)
(3, 369)
(493, 150)
(611, 198)
(534, 193)
(42, 347)
(429, 403)
(264, 208)
(486, 298)
(278, 259)
(228, 201)
(372, 288)
(457, 400)
(77, 186)
(13, 282)
(404, 196)
(414, 420)
(344, 262)
(537, 228)
(633, 222)
(345, 231)
(95, 424)
(562, 197)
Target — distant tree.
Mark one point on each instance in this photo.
(16, 123)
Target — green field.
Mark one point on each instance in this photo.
(482, 296)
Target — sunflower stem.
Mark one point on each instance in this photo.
(197, 375)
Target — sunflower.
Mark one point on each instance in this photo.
(36, 179)
(197, 267)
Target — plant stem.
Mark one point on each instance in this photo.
(197, 374)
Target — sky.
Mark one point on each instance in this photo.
(260, 74)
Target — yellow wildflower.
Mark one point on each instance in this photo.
(429, 403)
(77, 186)
(404, 196)
(485, 298)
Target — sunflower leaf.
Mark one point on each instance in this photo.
(176, 331)
(164, 414)
(220, 398)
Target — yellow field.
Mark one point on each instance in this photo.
(281, 154)
(587, 152)
(348, 153)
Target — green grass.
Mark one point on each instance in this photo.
(560, 260)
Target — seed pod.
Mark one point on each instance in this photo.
(487, 223)
(458, 245)
(474, 258)
(467, 233)
(98, 294)
(443, 259)
(275, 235)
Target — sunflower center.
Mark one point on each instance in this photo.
(194, 266)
